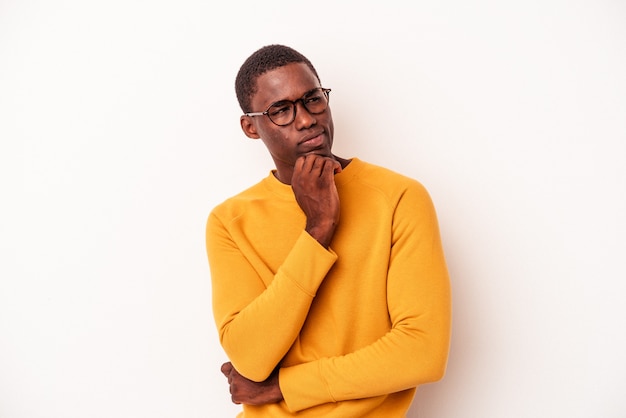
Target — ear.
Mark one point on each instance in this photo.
(248, 127)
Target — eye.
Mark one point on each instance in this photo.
(313, 99)
(279, 109)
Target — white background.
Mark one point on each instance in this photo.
(119, 132)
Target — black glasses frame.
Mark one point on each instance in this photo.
(294, 103)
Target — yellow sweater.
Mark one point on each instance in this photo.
(353, 329)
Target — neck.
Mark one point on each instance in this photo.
(284, 174)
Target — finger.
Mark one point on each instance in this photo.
(234, 394)
(226, 368)
(309, 162)
(304, 165)
(337, 167)
(318, 165)
(329, 168)
(299, 163)
(323, 161)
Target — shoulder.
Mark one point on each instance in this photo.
(385, 181)
(238, 204)
(407, 199)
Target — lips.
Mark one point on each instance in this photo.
(313, 141)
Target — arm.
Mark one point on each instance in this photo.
(415, 350)
(314, 188)
(248, 314)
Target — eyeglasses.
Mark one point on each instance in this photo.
(282, 113)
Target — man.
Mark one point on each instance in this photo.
(330, 289)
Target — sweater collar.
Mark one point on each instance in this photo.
(284, 191)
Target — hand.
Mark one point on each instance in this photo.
(313, 184)
(248, 392)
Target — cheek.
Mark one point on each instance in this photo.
(331, 127)
(276, 142)
(280, 140)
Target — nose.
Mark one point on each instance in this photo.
(303, 119)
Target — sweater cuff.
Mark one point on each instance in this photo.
(303, 386)
(308, 263)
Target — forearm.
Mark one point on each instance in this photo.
(258, 313)
(404, 358)
(418, 301)
(257, 338)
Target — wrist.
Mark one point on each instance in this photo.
(277, 394)
(323, 233)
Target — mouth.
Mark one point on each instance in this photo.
(313, 141)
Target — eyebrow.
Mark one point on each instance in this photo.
(291, 101)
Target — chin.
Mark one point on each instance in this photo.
(320, 152)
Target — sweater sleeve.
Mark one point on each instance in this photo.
(415, 349)
(248, 314)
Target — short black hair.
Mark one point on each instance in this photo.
(263, 60)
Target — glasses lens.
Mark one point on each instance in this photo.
(281, 113)
(316, 102)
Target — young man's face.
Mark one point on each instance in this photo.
(307, 134)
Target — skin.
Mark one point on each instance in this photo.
(246, 391)
(302, 150)
(302, 153)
